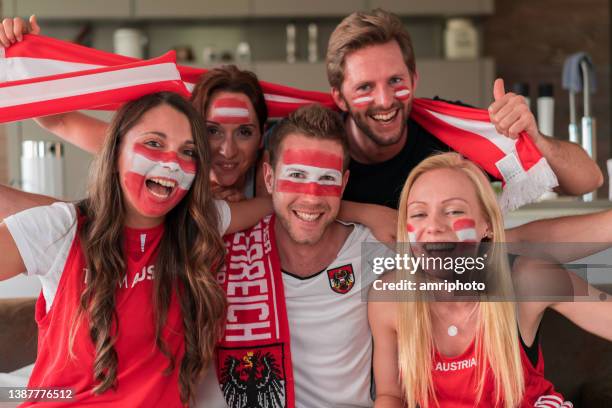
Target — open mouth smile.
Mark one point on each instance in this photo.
(307, 216)
(385, 118)
(160, 187)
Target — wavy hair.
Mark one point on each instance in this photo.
(497, 341)
(189, 256)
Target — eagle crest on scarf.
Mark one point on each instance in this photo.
(255, 381)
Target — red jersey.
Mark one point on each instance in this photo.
(456, 382)
(140, 379)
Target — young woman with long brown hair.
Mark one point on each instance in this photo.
(482, 351)
(130, 310)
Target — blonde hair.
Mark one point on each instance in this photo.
(497, 342)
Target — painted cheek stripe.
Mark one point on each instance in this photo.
(314, 158)
(411, 233)
(363, 100)
(465, 228)
(402, 93)
(143, 166)
(229, 110)
(187, 166)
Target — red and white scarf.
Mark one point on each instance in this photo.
(40, 70)
(253, 361)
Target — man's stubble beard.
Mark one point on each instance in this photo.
(361, 122)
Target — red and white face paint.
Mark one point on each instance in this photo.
(229, 110)
(362, 101)
(402, 93)
(465, 228)
(156, 181)
(411, 233)
(312, 172)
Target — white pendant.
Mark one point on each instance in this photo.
(452, 330)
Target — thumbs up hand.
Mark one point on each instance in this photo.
(13, 29)
(511, 115)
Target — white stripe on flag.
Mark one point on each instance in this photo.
(548, 401)
(483, 129)
(231, 112)
(18, 68)
(85, 84)
(284, 99)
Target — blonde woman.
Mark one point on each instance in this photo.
(465, 353)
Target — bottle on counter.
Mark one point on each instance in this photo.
(290, 45)
(460, 39)
(546, 109)
(313, 48)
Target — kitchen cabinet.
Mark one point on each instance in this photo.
(190, 8)
(67, 9)
(312, 8)
(435, 7)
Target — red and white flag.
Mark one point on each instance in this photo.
(105, 87)
(27, 67)
(518, 163)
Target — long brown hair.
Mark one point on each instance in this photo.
(189, 256)
(229, 78)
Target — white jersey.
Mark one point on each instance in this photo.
(44, 237)
(331, 342)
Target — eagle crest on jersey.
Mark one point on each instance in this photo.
(252, 378)
(341, 279)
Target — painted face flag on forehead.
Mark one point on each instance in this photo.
(229, 110)
(157, 181)
(312, 172)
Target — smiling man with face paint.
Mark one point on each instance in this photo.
(317, 261)
(372, 71)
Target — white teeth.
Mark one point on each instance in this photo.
(228, 166)
(385, 117)
(158, 195)
(164, 182)
(307, 216)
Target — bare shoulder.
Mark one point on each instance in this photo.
(383, 307)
